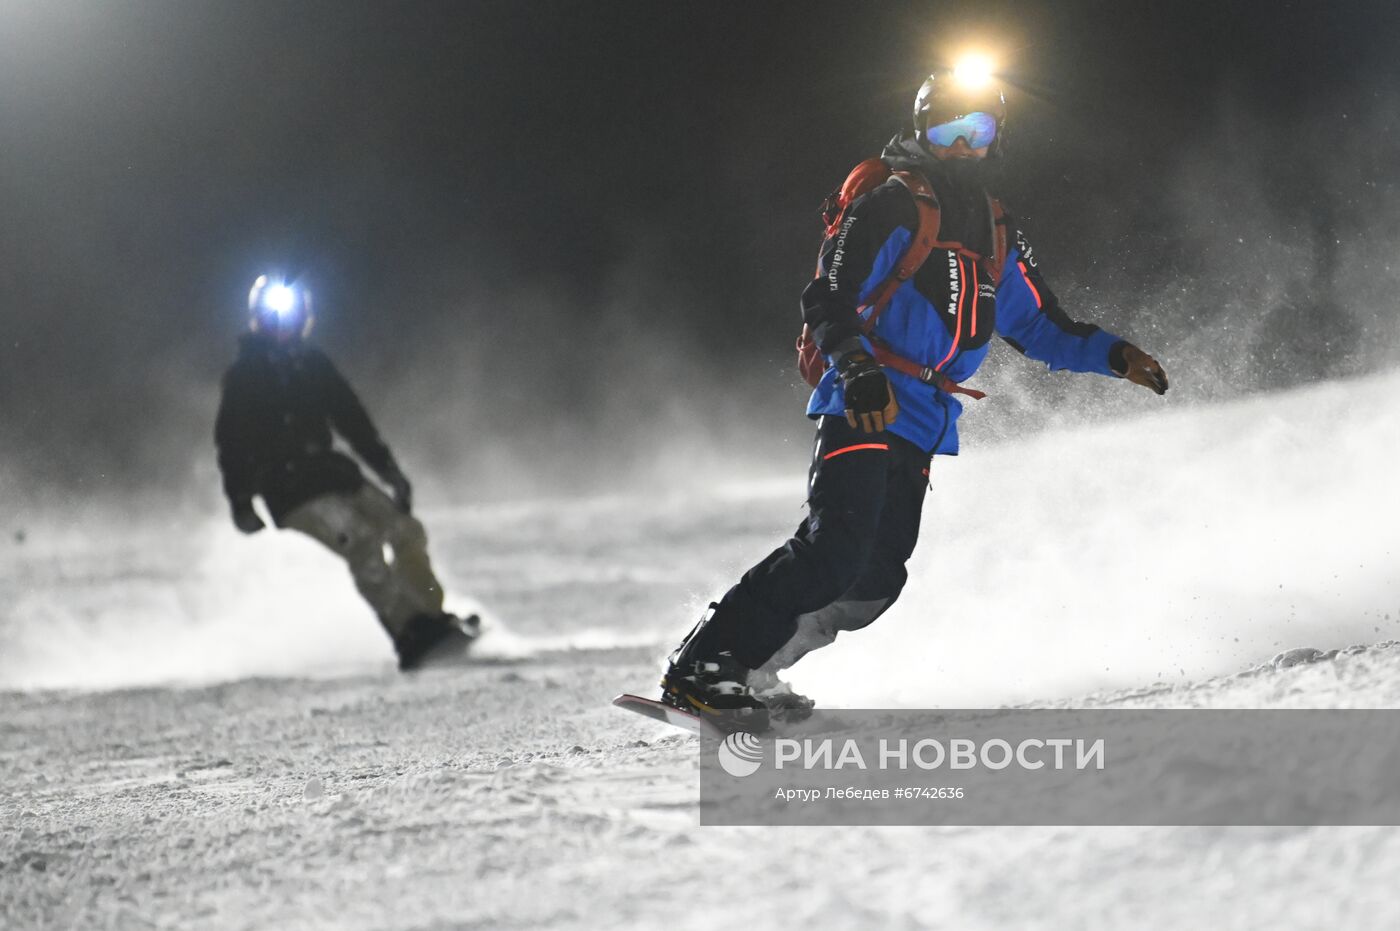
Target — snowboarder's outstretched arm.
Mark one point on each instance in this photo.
(1030, 319)
(350, 419)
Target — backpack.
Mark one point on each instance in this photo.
(867, 176)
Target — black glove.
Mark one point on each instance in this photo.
(244, 517)
(1136, 366)
(401, 489)
(870, 404)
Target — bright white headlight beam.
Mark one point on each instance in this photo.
(973, 70)
(281, 299)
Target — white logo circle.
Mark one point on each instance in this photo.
(741, 754)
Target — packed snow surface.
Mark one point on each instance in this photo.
(201, 729)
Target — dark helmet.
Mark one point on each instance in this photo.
(949, 94)
(279, 308)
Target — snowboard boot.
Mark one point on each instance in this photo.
(429, 639)
(783, 704)
(717, 690)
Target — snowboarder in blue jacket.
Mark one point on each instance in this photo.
(888, 400)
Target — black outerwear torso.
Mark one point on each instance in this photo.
(280, 403)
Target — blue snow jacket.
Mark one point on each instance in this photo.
(946, 313)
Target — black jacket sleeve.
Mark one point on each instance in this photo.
(237, 461)
(351, 421)
(848, 259)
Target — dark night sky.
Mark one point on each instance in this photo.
(537, 230)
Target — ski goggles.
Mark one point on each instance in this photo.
(978, 128)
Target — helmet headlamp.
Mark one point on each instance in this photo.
(278, 306)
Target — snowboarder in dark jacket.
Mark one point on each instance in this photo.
(282, 402)
(878, 425)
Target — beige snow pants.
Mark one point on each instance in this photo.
(386, 550)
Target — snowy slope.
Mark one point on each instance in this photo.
(1157, 562)
(1182, 543)
(513, 797)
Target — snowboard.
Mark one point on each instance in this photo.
(686, 721)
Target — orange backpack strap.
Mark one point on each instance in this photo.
(929, 376)
(925, 240)
(866, 176)
(920, 244)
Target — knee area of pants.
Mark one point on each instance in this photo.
(836, 577)
(408, 534)
(843, 554)
(882, 579)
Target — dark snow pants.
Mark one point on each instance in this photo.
(843, 567)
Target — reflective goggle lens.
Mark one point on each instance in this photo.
(979, 129)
